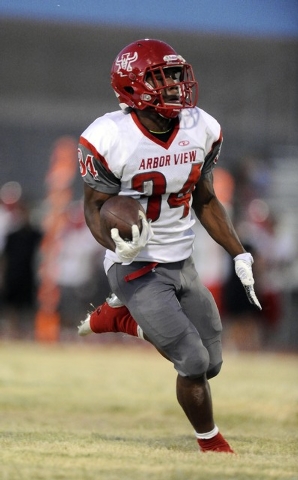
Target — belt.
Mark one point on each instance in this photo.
(142, 271)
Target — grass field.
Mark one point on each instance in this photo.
(108, 412)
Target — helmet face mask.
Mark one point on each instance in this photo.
(150, 74)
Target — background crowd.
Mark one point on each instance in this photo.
(74, 263)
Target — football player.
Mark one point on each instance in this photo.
(160, 148)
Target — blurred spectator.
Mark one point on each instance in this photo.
(5, 224)
(19, 273)
(276, 248)
(79, 273)
(273, 250)
(10, 194)
(243, 324)
(252, 180)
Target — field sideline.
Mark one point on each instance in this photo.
(108, 412)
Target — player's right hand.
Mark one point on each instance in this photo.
(243, 269)
(128, 251)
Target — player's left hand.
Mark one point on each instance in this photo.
(243, 269)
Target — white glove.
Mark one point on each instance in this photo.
(243, 263)
(127, 251)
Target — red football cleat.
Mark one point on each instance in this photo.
(111, 316)
(215, 444)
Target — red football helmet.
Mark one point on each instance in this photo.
(149, 59)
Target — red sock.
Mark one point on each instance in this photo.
(108, 319)
(215, 444)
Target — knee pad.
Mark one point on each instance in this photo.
(215, 352)
(189, 356)
(196, 366)
(213, 371)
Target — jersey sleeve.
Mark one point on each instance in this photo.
(212, 156)
(94, 169)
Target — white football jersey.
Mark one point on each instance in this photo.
(118, 155)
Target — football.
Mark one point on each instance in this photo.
(120, 212)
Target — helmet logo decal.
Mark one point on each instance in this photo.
(124, 62)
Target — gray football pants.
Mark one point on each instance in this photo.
(176, 312)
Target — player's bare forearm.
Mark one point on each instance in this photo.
(216, 221)
(92, 221)
(93, 202)
(214, 217)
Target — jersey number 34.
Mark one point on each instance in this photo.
(154, 185)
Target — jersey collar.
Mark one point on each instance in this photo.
(152, 137)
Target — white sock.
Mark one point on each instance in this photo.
(140, 332)
(207, 435)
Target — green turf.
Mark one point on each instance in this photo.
(100, 411)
